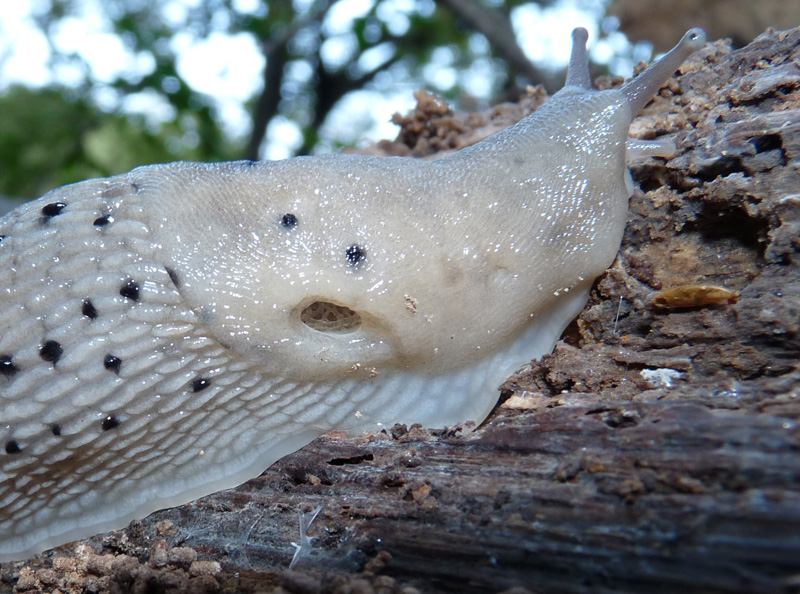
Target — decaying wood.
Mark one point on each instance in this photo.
(656, 450)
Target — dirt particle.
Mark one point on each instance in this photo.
(205, 568)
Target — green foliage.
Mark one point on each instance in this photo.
(54, 136)
(50, 137)
(37, 130)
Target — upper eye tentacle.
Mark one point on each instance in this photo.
(639, 90)
(578, 71)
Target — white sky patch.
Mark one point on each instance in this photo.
(283, 139)
(375, 56)
(342, 14)
(545, 34)
(440, 73)
(228, 68)
(394, 14)
(105, 97)
(339, 50)
(90, 37)
(174, 13)
(478, 79)
(247, 6)
(23, 49)
(225, 66)
(152, 106)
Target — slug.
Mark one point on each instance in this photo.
(173, 331)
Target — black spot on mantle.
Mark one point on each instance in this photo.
(130, 290)
(110, 422)
(88, 309)
(7, 366)
(53, 209)
(51, 351)
(289, 220)
(200, 384)
(173, 276)
(355, 254)
(112, 363)
(12, 447)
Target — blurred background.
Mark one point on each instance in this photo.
(91, 88)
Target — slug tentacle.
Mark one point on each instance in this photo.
(639, 90)
(578, 71)
(641, 149)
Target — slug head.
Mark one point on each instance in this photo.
(627, 102)
(395, 263)
(641, 89)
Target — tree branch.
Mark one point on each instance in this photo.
(276, 53)
(267, 106)
(331, 87)
(498, 30)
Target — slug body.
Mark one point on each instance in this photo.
(173, 331)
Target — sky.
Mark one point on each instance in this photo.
(544, 35)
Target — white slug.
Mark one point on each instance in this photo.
(175, 330)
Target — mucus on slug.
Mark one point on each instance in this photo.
(132, 338)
